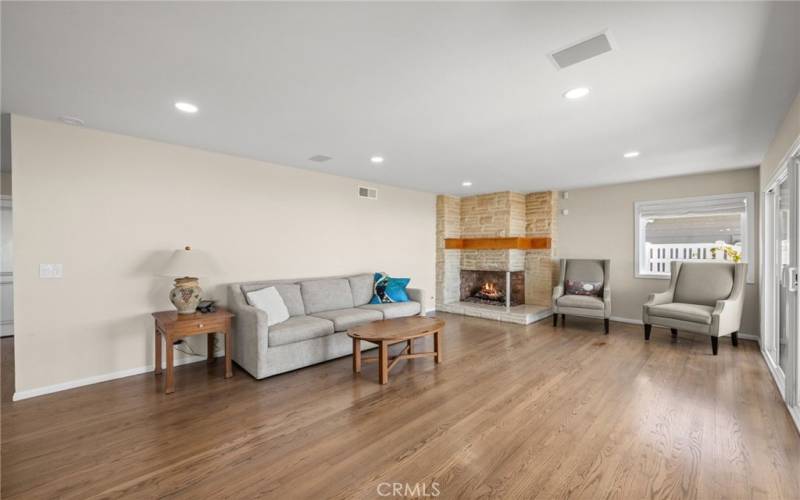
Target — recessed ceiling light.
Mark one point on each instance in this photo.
(466, 184)
(186, 107)
(576, 93)
(376, 160)
(631, 154)
(71, 120)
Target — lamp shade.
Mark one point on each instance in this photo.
(188, 263)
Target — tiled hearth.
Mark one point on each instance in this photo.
(532, 271)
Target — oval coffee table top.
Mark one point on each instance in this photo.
(396, 329)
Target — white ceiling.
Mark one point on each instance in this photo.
(444, 91)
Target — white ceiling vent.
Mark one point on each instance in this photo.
(320, 158)
(582, 51)
(367, 192)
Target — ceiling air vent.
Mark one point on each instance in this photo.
(582, 51)
(320, 158)
(368, 193)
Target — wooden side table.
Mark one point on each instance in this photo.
(173, 326)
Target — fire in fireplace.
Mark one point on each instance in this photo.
(489, 287)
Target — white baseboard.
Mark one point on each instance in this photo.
(618, 319)
(72, 384)
(795, 413)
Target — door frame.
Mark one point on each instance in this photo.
(788, 382)
(7, 279)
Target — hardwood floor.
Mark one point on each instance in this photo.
(513, 412)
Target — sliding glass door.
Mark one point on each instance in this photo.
(781, 345)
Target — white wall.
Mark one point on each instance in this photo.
(111, 209)
(600, 224)
(787, 135)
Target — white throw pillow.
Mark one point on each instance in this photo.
(270, 301)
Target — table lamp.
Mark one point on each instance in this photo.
(185, 265)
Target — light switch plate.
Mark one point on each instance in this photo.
(50, 271)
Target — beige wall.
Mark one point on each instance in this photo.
(788, 134)
(111, 208)
(600, 224)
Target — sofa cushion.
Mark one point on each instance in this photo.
(326, 295)
(704, 283)
(348, 318)
(288, 290)
(361, 287)
(684, 312)
(297, 329)
(395, 309)
(270, 301)
(584, 270)
(580, 301)
(290, 293)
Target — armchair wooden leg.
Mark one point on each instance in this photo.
(563, 320)
(647, 331)
(714, 345)
(735, 339)
(605, 326)
(555, 319)
(674, 334)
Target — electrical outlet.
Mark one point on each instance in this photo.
(51, 271)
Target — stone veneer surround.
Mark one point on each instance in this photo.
(504, 214)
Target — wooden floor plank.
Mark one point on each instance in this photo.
(514, 411)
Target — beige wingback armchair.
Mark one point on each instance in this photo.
(590, 306)
(703, 297)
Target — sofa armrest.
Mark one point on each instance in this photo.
(418, 295)
(726, 317)
(607, 301)
(249, 330)
(655, 299)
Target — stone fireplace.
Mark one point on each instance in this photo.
(503, 240)
(499, 288)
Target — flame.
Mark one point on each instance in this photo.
(489, 289)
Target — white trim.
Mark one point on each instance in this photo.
(748, 236)
(794, 411)
(96, 379)
(743, 336)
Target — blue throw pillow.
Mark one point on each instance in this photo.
(387, 289)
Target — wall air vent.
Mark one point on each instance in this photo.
(368, 193)
(582, 51)
(320, 158)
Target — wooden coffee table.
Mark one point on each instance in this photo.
(393, 331)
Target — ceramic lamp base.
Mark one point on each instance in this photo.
(186, 295)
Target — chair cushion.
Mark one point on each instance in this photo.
(704, 282)
(297, 329)
(326, 295)
(348, 318)
(361, 286)
(581, 301)
(395, 309)
(684, 312)
(584, 270)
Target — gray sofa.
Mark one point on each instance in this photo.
(320, 312)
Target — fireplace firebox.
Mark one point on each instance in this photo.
(500, 288)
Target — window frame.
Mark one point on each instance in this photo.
(748, 233)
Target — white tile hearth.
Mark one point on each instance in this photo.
(524, 314)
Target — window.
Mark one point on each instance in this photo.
(703, 228)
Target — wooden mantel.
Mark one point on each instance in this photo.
(515, 243)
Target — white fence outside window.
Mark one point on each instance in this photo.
(659, 256)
